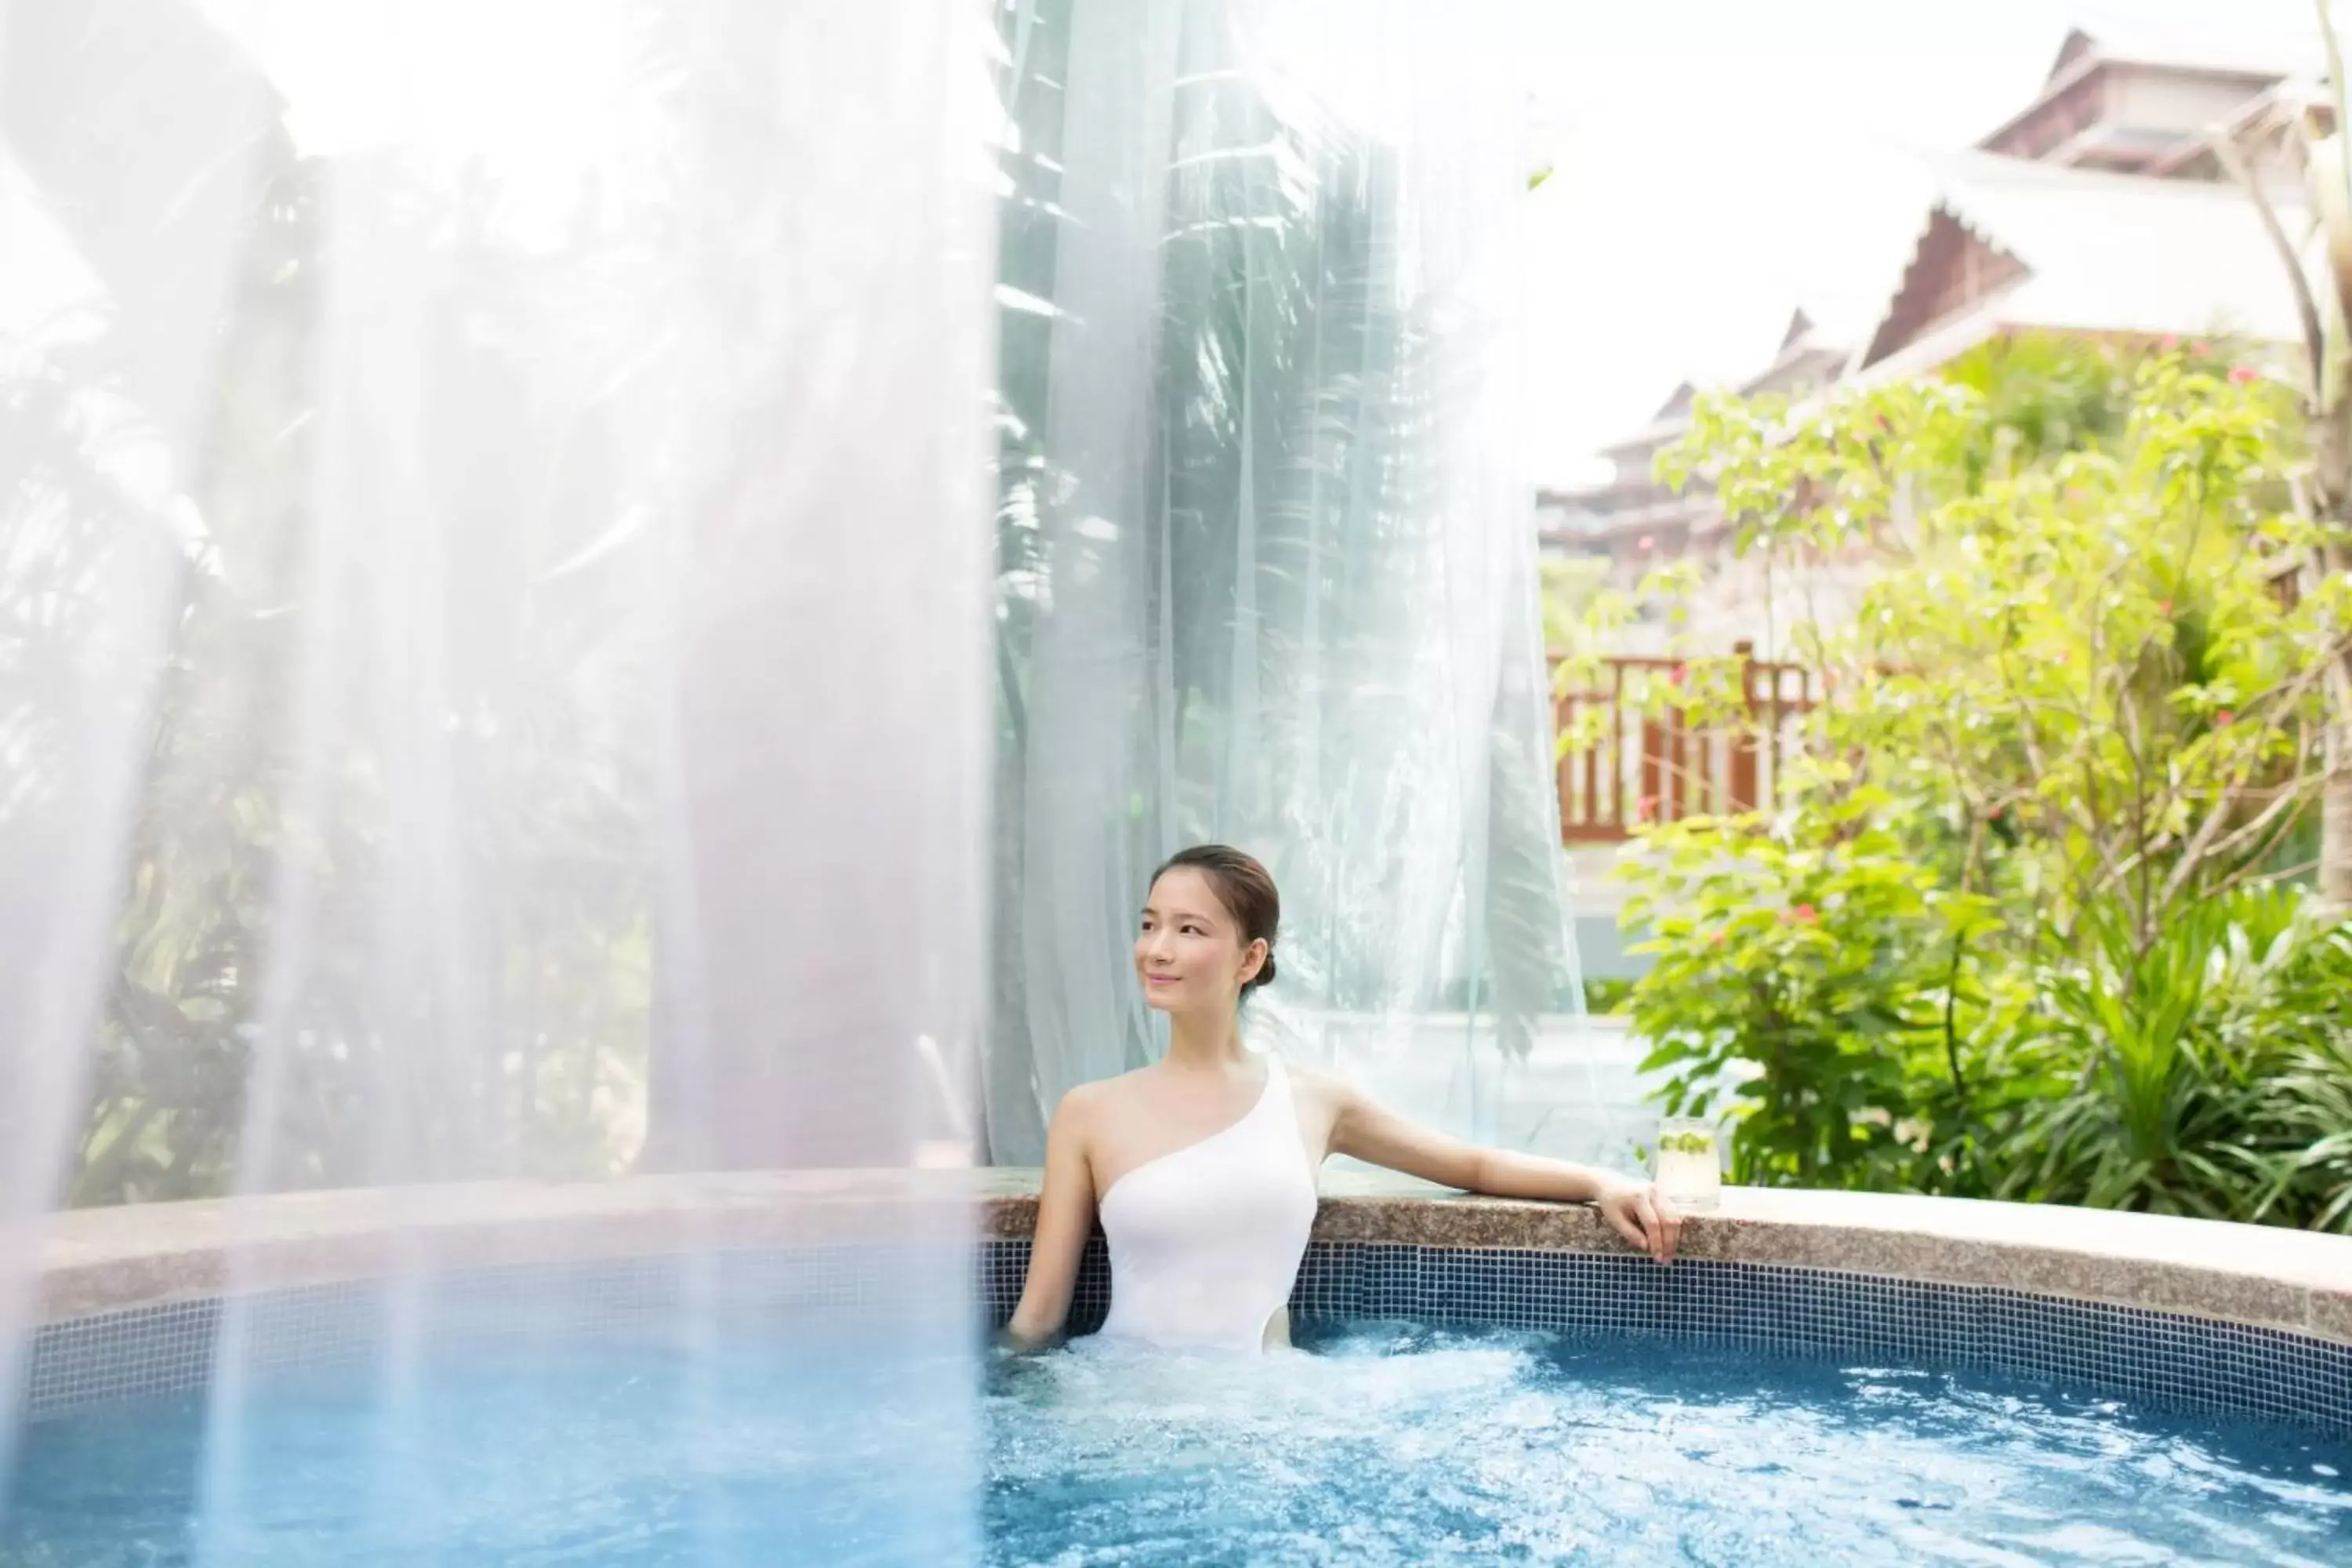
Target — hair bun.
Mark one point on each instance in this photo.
(1264, 975)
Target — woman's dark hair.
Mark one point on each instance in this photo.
(1245, 888)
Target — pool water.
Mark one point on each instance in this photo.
(1375, 1443)
(1392, 1443)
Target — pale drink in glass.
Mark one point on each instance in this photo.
(1688, 1166)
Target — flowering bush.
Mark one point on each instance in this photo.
(2077, 722)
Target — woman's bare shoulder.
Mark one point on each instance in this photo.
(1086, 1100)
(1324, 1087)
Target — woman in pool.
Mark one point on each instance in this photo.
(1203, 1165)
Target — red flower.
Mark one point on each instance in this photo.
(2168, 343)
(1680, 673)
(1646, 542)
(2241, 375)
(2163, 607)
(1804, 914)
(2223, 716)
(1717, 940)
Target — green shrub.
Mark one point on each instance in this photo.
(2014, 926)
(1809, 970)
(1608, 997)
(2210, 1075)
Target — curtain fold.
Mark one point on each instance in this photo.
(493, 613)
(1265, 563)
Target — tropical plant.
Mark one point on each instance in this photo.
(2308, 138)
(2209, 1075)
(1817, 981)
(2053, 770)
(2086, 656)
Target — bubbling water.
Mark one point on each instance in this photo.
(1392, 1443)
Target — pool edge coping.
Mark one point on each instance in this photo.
(105, 1260)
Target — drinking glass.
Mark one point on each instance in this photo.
(1688, 1167)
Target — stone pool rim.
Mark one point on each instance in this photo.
(108, 1260)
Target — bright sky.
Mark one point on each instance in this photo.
(1716, 162)
(1720, 161)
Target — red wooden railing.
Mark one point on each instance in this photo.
(1658, 767)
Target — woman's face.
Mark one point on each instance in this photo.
(1190, 955)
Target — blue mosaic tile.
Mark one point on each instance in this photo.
(1328, 1282)
(180, 1348)
(2164, 1359)
(2084, 1348)
(999, 1266)
(121, 1355)
(1388, 1283)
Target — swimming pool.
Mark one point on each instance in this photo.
(1393, 1442)
(1376, 1442)
(736, 1370)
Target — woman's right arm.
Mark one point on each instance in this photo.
(1066, 1217)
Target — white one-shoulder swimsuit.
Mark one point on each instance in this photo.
(1205, 1241)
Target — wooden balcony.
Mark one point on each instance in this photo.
(1658, 766)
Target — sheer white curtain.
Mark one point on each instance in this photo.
(1265, 563)
(493, 605)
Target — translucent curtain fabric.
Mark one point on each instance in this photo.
(1265, 569)
(493, 602)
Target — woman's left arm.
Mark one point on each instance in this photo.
(1365, 1131)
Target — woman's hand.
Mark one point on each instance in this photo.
(1641, 1214)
